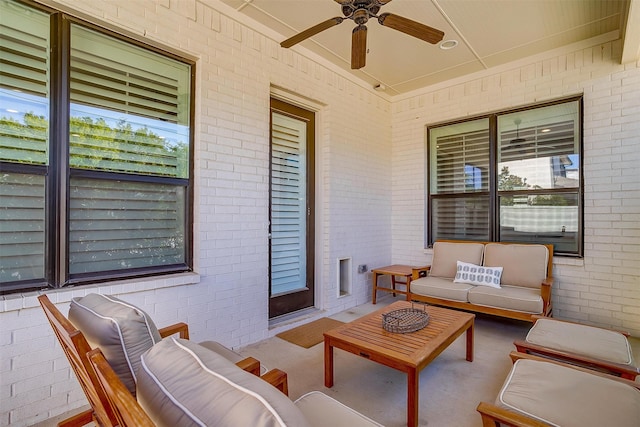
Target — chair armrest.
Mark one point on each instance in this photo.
(417, 272)
(250, 365)
(624, 371)
(278, 379)
(492, 415)
(179, 328)
(545, 293)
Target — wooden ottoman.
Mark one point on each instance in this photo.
(588, 346)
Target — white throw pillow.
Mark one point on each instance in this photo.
(478, 274)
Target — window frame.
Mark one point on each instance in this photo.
(493, 193)
(58, 173)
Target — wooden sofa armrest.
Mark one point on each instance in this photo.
(545, 293)
(179, 328)
(278, 379)
(624, 371)
(250, 365)
(417, 272)
(494, 416)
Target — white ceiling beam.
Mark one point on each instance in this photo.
(631, 45)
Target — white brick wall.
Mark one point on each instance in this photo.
(604, 287)
(227, 299)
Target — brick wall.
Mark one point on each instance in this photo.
(237, 69)
(603, 288)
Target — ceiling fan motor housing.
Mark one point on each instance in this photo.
(357, 8)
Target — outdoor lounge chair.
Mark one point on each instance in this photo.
(76, 346)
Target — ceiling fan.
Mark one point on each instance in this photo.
(359, 11)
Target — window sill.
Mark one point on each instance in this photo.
(19, 301)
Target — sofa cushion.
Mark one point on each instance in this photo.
(563, 396)
(524, 265)
(181, 383)
(526, 300)
(121, 330)
(478, 275)
(589, 341)
(321, 411)
(439, 287)
(445, 255)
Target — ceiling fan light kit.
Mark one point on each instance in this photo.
(359, 11)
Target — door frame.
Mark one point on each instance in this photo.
(296, 300)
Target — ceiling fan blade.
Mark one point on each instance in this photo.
(412, 28)
(358, 47)
(311, 31)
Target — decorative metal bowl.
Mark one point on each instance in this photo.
(405, 320)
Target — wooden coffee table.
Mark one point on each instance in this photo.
(408, 353)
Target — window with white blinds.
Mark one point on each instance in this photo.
(114, 200)
(511, 176)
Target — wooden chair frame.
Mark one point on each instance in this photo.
(625, 371)
(495, 416)
(75, 346)
(125, 407)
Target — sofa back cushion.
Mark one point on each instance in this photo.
(447, 254)
(121, 330)
(181, 383)
(524, 265)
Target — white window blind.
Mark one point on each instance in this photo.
(22, 230)
(288, 204)
(459, 170)
(118, 225)
(24, 63)
(129, 108)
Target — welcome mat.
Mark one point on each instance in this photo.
(311, 333)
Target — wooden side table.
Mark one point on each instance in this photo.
(393, 271)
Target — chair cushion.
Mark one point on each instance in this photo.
(515, 298)
(121, 330)
(566, 397)
(524, 265)
(322, 411)
(181, 383)
(445, 255)
(438, 287)
(585, 340)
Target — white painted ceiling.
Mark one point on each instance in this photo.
(489, 33)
